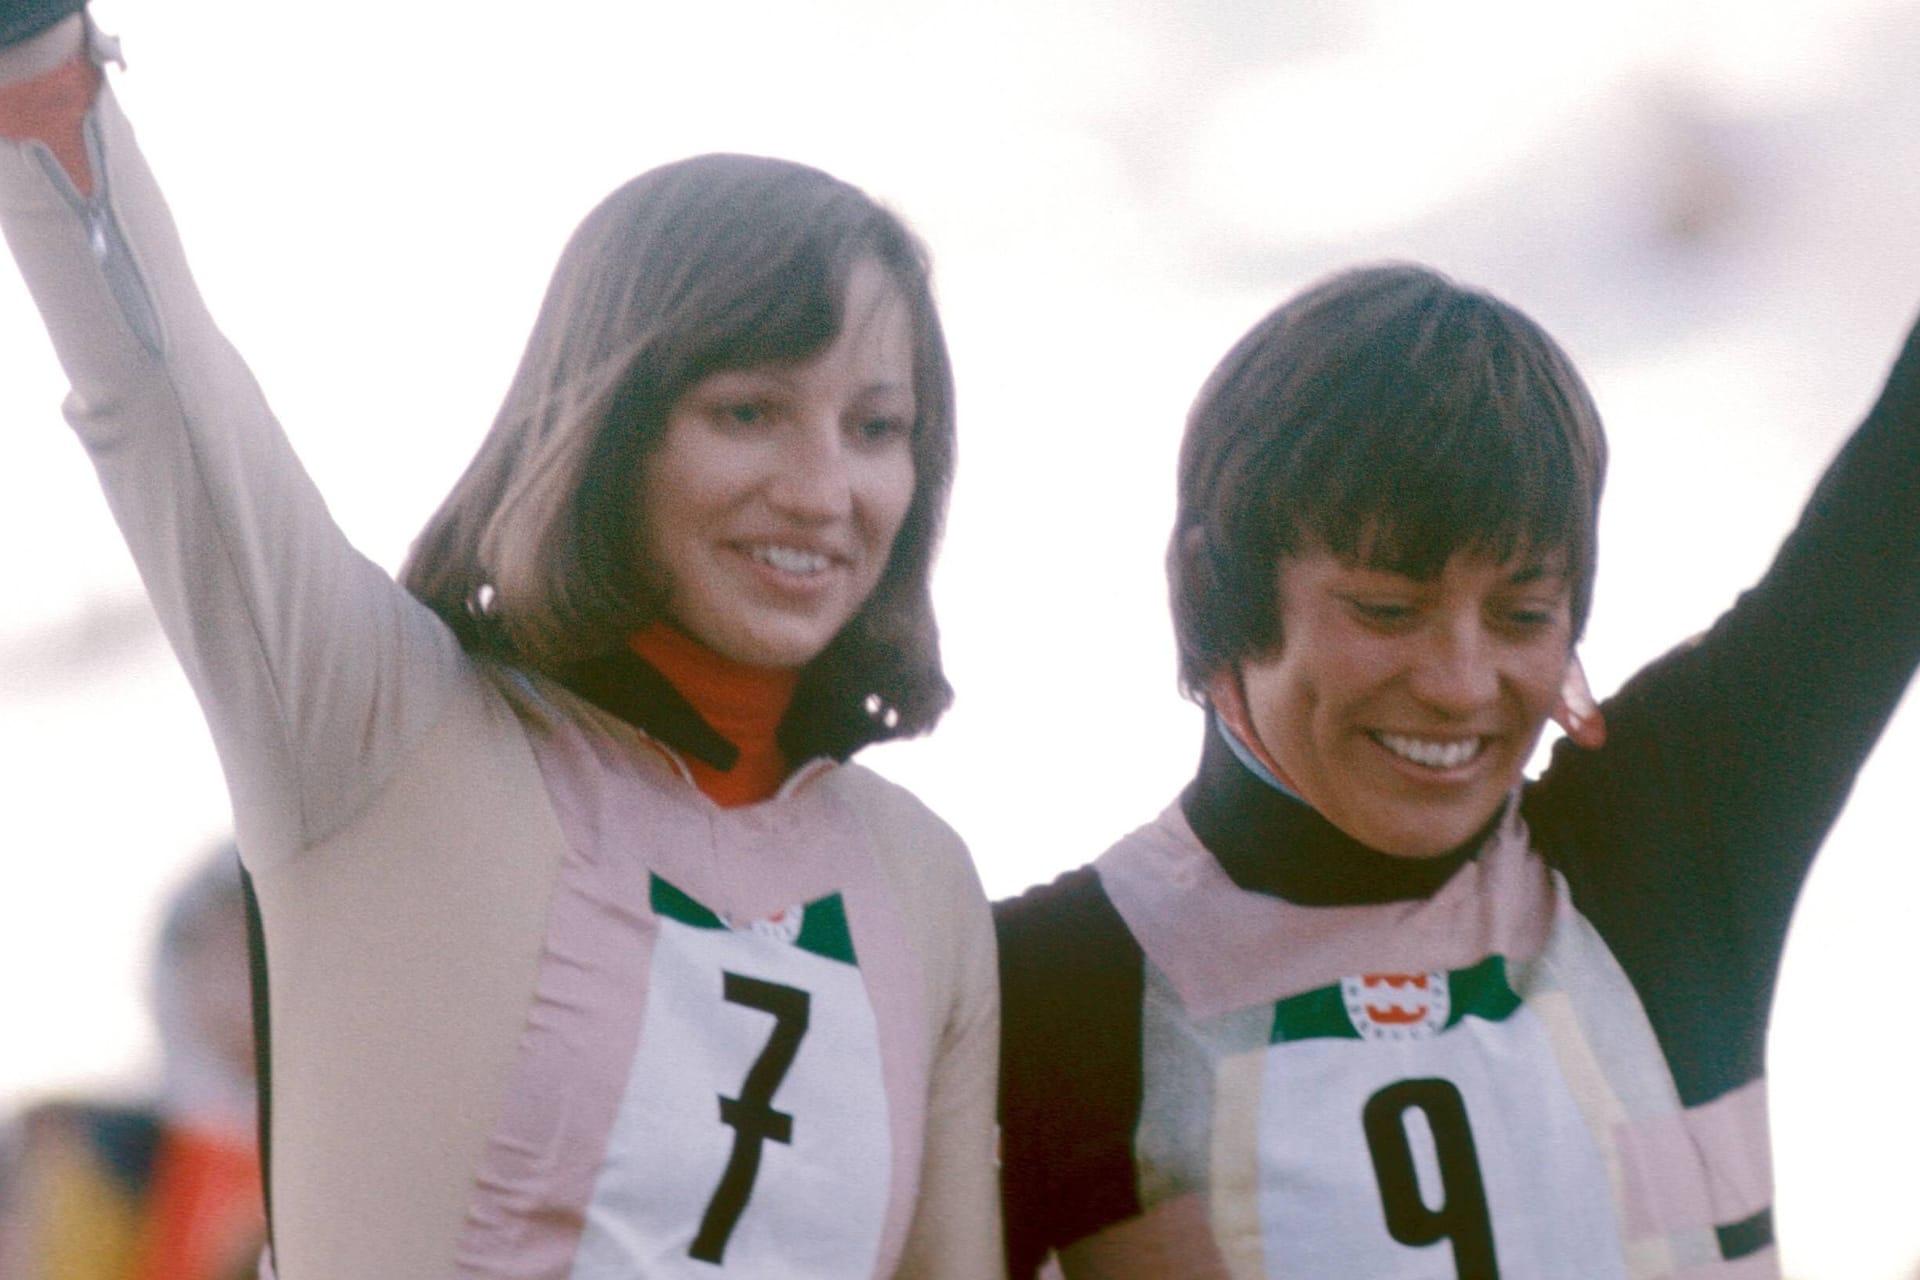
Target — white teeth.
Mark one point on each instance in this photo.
(1434, 753)
(790, 559)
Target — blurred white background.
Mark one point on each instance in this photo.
(1715, 206)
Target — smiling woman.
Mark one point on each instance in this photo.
(806, 319)
(1363, 1001)
(775, 498)
(583, 950)
(1404, 710)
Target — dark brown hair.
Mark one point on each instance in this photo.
(1391, 417)
(710, 263)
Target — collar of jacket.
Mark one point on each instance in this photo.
(1270, 841)
(632, 688)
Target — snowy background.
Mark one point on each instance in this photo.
(1715, 206)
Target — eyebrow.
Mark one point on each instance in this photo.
(786, 376)
(1551, 565)
(768, 371)
(1539, 571)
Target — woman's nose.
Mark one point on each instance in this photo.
(1454, 669)
(813, 477)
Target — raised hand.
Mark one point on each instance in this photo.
(49, 104)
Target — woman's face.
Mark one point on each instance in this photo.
(1403, 710)
(774, 498)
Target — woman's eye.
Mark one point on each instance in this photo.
(743, 414)
(1383, 613)
(879, 430)
(1528, 618)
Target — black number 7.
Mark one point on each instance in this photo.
(751, 1115)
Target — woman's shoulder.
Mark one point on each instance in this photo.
(892, 811)
(919, 852)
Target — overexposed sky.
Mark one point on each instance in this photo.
(1714, 206)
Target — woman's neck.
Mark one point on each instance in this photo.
(1269, 840)
(743, 704)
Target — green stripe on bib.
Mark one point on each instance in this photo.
(674, 905)
(1483, 992)
(1312, 1015)
(1396, 1006)
(822, 929)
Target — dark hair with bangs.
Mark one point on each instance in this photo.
(1393, 418)
(711, 263)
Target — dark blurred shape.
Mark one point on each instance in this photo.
(1695, 189)
(168, 1188)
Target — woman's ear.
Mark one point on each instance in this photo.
(1576, 711)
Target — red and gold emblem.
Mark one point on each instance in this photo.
(1397, 1006)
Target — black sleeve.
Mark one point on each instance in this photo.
(1686, 838)
(22, 20)
(1071, 980)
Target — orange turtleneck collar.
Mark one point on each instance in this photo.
(743, 704)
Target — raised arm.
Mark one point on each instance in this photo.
(1687, 837)
(314, 670)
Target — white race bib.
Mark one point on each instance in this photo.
(753, 1138)
(1417, 1127)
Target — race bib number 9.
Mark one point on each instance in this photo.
(1418, 1127)
(753, 1136)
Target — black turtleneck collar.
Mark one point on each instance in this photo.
(1270, 842)
(632, 688)
(628, 686)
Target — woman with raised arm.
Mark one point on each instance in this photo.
(1365, 1001)
(586, 951)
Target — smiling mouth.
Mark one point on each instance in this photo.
(793, 560)
(1432, 753)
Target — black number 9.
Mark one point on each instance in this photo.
(1461, 1216)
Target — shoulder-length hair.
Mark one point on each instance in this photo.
(715, 262)
(1391, 417)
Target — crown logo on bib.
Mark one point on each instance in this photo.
(1397, 1006)
(782, 926)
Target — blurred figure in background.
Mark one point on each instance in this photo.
(168, 1189)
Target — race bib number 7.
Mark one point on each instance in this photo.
(753, 1135)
